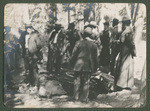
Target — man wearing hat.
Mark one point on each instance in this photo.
(93, 26)
(114, 44)
(51, 48)
(23, 41)
(124, 78)
(105, 55)
(84, 62)
(74, 35)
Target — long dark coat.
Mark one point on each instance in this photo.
(73, 37)
(105, 53)
(84, 56)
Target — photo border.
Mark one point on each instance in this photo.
(2, 5)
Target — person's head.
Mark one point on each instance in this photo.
(71, 26)
(125, 22)
(29, 29)
(87, 32)
(115, 22)
(92, 24)
(106, 25)
(57, 27)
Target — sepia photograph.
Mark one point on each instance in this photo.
(74, 55)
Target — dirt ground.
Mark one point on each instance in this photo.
(25, 99)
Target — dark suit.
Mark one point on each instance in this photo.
(115, 47)
(105, 55)
(84, 61)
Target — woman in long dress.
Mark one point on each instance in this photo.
(125, 65)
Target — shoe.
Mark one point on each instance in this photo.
(85, 101)
(33, 90)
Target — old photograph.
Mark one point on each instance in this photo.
(74, 55)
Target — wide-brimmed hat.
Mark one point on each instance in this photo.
(88, 30)
(106, 23)
(115, 21)
(126, 20)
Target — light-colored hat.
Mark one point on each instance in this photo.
(93, 24)
(80, 18)
(125, 19)
(86, 25)
(88, 30)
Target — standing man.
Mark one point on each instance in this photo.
(93, 26)
(84, 62)
(23, 40)
(74, 35)
(53, 63)
(105, 53)
(34, 47)
(114, 44)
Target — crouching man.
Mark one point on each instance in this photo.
(84, 62)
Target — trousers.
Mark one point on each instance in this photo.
(81, 85)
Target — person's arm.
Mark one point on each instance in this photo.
(38, 41)
(130, 43)
(95, 58)
(74, 54)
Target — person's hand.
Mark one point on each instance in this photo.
(98, 69)
(133, 55)
(118, 41)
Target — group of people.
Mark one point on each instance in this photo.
(82, 49)
(117, 52)
(27, 48)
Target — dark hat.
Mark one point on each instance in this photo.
(71, 25)
(126, 20)
(106, 23)
(26, 27)
(57, 25)
(115, 21)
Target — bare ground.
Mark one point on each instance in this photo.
(25, 99)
